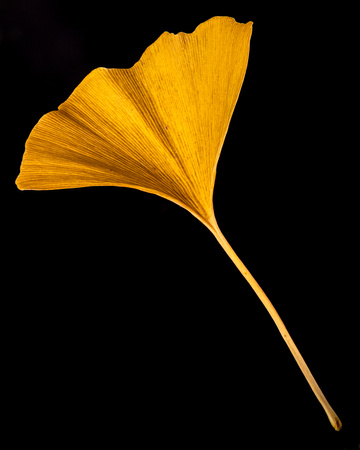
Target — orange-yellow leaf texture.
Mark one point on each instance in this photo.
(158, 126)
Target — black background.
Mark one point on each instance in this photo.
(125, 322)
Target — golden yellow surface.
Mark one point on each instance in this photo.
(158, 126)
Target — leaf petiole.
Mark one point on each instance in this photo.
(332, 416)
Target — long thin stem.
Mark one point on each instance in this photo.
(334, 419)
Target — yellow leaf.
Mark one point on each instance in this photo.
(158, 127)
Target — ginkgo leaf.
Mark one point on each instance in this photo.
(158, 127)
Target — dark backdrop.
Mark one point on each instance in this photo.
(124, 319)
